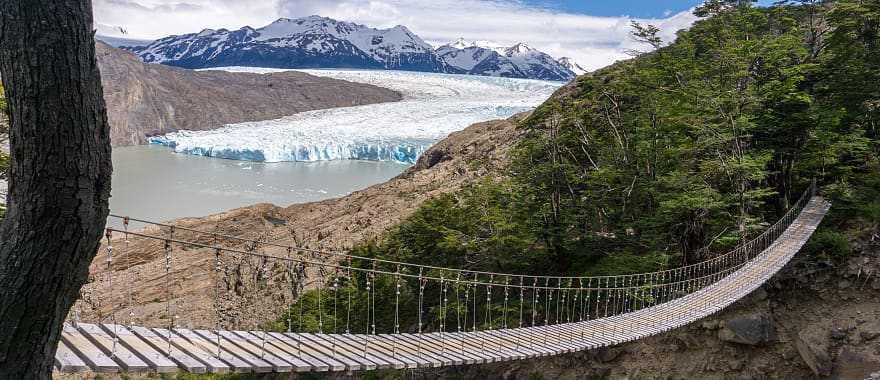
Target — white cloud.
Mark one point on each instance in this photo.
(592, 41)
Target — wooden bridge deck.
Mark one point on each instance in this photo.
(114, 348)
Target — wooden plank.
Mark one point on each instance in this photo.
(530, 341)
(456, 347)
(436, 359)
(289, 346)
(258, 350)
(88, 352)
(111, 347)
(307, 354)
(446, 346)
(425, 342)
(547, 338)
(318, 350)
(296, 363)
(460, 351)
(179, 357)
(355, 354)
(476, 346)
(548, 341)
(493, 344)
(181, 340)
(156, 360)
(67, 361)
(511, 342)
(392, 348)
(207, 338)
(378, 350)
(194, 344)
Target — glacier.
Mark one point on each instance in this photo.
(433, 106)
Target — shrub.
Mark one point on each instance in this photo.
(830, 243)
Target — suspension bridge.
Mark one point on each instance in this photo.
(357, 313)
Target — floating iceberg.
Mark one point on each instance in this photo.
(434, 105)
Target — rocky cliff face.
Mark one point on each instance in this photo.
(146, 99)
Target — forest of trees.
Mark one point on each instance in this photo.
(677, 154)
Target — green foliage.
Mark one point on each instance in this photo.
(669, 157)
(346, 308)
(829, 243)
(698, 145)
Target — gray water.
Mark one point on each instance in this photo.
(154, 183)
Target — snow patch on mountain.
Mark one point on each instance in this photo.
(434, 105)
(322, 42)
(517, 61)
(570, 64)
(307, 42)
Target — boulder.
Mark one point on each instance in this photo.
(852, 364)
(869, 335)
(711, 324)
(760, 294)
(755, 329)
(609, 354)
(813, 345)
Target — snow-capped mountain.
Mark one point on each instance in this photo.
(517, 61)
(570, 64)
(307, 42)
(320, 42)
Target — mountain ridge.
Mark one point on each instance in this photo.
(322, 42)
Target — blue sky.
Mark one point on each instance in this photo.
(632, 8)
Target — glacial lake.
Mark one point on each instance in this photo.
(154, 183)
(313, 155)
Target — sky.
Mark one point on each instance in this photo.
(594, 33)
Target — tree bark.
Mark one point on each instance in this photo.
(59, 177)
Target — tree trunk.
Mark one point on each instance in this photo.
(59, 182)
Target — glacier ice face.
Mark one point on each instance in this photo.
(434, 105)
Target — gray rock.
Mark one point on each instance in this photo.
(813, 345)
(736, 365)
(843, 284)
(759, 294)
(609, 354)
(853, 364)
(711, 324)
(869, 335)
(755, 329)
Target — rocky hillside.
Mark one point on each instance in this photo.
(144, 100)
(817, 319)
